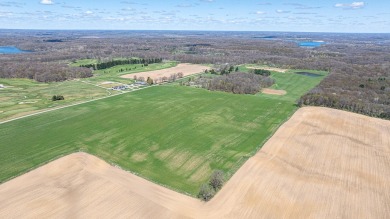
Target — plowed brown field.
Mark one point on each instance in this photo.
(185, 68)
(322, 163)
(270, 69)
(273, 91)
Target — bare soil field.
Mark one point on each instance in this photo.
(185, 68)
(270, 69)
(322, 163)
(83, 186)
(273, 91)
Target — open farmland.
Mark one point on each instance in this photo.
(294, 85)
(114, 73)
(25, 96)
(185, 68)
(183, 132)
(319, 164)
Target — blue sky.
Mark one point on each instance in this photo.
(247, 15)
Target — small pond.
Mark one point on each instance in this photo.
(308, 74)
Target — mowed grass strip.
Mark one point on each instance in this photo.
(24, 96)
(175, 136)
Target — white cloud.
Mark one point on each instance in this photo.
(5, 14)
(260, 12)
(282, 11)
(47, 2)
(89, 12)
(353, 5)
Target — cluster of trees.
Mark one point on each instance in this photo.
(42, 72)
(112, 63)
(261, 72)
(207, 191)
(57, 97)
(172, 78)
(222, 69)
(237, 83)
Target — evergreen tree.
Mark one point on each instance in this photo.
(149, 81)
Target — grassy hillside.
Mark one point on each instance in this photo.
(24, 96)
(296, 85)
(171, 135)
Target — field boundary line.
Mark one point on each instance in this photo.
(113, 164)
(251, 154)
(89, 83)
(73, 104)
(100, 98)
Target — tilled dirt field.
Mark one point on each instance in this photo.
(186, 69)
(322, 163)
(281, 70)
(273, 91)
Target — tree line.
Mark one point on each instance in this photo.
(171, 78)
(369, 96)
(112, 63)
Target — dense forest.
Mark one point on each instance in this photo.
(359, 64)
(42, 71)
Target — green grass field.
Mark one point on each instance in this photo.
(24, 96)
(295, 85)
(172, 135)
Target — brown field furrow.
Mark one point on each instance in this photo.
(185, 68)
(273, 91)
(270, 69)
(322, 163)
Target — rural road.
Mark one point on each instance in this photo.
(75, 104)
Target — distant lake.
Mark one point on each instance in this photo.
(11, 50)
(311, 44)
(266, 37)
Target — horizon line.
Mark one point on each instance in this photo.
(278, 31)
